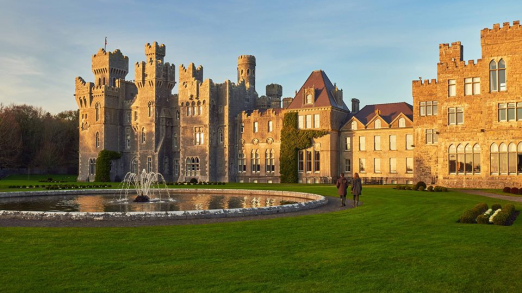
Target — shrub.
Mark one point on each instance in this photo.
(419, 184)
(501, 218)
(193, 180)
(421, 188)
(469, 216)
(514, 190)
(520, 191)
(103, 165)
(506, 190)
(495, 207)
(482, 219)
(437, 189)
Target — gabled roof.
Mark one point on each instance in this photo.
(323, 93)
(388, 112)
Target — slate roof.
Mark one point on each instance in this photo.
(323, 92)
(388, 112)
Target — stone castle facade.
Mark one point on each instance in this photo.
(463, 129)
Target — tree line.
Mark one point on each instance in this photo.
(33, 138)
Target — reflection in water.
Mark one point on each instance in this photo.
(110, 203)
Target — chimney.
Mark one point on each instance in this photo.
(355, 106)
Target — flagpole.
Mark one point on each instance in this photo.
(105, 47)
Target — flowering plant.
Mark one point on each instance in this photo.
(493, 216)
(488, 212)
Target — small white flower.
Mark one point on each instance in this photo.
(488, 212)
(493, 216)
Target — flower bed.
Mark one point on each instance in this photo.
(495, 215)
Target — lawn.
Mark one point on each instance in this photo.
(399, 240)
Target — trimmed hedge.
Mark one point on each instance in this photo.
(483, 219)
(292, 140)
(419, 184)
(103, 165)
(506, 190)
(471, 215)
(502, 218)
(514, 190)
(495, 207)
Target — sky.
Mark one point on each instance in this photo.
(372, 50)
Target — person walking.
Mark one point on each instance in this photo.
(356, 189)
(342, 186)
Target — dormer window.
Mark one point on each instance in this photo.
(377, 124)
(354, 125)
(309, 99)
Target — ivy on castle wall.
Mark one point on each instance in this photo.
(293, 140)
(103, 165)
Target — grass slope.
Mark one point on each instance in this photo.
(403, 241)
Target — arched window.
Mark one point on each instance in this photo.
(189, 110)
(114, 81)
(512, 158)
(177, 115)
(497, 76)
(269, 161)
(402, 122)
(194, 109)
(255, 161)
(502, 149)
(241, 162)
(354, 125)
(150, 109)
(143, 136)
(192, 166)
(519, 155)
(134, 166)
(97, 139)
(502, 75)
(377, 124)
(495, 159)
(149, 164)
(97, 109)
(452, 159)
(476, 159)
(200, 108)
(468, 159)
(127, 138)
(460, 159)
(493, 76)
(166, 166)
(103, 80)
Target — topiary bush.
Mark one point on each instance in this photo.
(471, 215)
(103, 165)
(483, 219)
(503, 217)
(495, 207)
(437, 189)
(506, 190)
(421, 188)
(520, 191)
(419, 184)
(193, 180)
(514, 190)
(430, 188)
(292, 140)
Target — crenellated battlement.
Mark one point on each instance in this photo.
(268, 113)
(155, 51)
(190, 72)
(426, 82)
(451, 53)
(505, 27)
(499, 39)
(250, 59)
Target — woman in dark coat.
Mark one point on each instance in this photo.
(356, 189)
(342, 186)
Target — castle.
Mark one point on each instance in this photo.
(462, 130)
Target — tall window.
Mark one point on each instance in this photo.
(134, 166)
(495, 158)
(409, 141)
(175, 140)
(308, 161)
(393, 165)
(471, 86)
(460, 159)
(422, 108)
(452, 159)
(149, 164)
(150, 109)
(409, 165)
(452, 88)
(97, 139)
(348, 144)
(476, 159)
(143, 136)
(347, 165)
(192, 166)
(128, 115)
(308, 121)
(97, 114)
(362, 143)
(393, 143)
(362, 165)
(176, 167)
(502, 112)
(512, 158)
(377, 124)
(317, 161)
(255, 161)
(166, 165)
(270, 126)
(270, 161)
(455, 116)
(255, 127)
(519, 156)
(199, 136)
(431, 136)
(200, 108)
(241, 162)
(309, 99)
(242, 128)
(377, 142)
(317, 122)
(92, 166)
(511, 111)
(402, 122)
(354, 125)
(497, 76)
(464, 159)
(503, 158)
(300, 159)
(127, 138)
(300, 122)
(377, 165)
(221, 135)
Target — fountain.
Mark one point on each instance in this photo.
(145, 184)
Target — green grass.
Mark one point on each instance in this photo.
(399, 240)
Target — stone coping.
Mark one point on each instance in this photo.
(315, 201)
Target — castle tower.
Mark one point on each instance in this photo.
(109, 66)
(246, 71)
(154, 52)
(274, 93)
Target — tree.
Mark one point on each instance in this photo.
(10, 140)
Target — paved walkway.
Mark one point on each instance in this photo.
(493, 195)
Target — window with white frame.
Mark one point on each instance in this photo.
(270, 126)
(348, 144)
(431, 136)
(362, 165)
(308, 121)
(455, 116)
(497, 76)
(149, 164)
(377, 124)
(377, 142)
(241, 162)
(300, 160)
(256, 127)
(255, 161)
(452, 88)
(377, 165)
(409, 165)
(347, 165)
(393, 165)
(402, 122)
(393, 142)
(471, 86)
(317, 123)
(409, 141)
(362, 143)
(422, 108)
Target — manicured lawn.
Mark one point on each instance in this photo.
(403, 241)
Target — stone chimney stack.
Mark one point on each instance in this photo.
(355, 106)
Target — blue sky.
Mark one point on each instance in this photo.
(371, 49)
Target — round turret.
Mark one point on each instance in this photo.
(246, 71)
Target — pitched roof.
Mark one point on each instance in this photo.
(388, 112)
(323, 93)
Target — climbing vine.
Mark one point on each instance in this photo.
(103, 165)
(293, 140)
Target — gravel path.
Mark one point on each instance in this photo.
(493, 195)
(333, 205)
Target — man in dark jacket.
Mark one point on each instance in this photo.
(342, 186)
